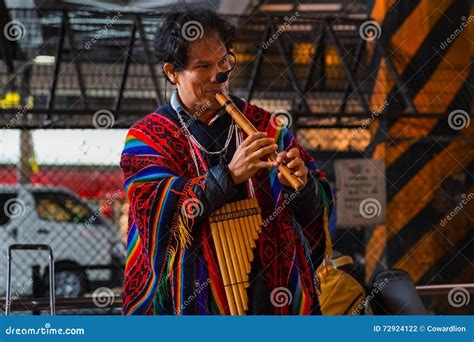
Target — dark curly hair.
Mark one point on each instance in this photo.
(181, 26)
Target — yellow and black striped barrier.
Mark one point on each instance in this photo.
(429, 43)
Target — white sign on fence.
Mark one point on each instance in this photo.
(360, 192)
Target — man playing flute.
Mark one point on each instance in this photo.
(188, 159)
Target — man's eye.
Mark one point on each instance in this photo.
(203, 66)
(222, 62)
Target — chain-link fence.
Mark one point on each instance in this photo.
(78, 209)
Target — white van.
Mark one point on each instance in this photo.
(80, 238)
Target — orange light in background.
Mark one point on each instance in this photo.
(240, 50)
(332, 59)
(303, 52)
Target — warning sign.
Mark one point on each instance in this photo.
(360, 192)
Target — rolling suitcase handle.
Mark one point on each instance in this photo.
(52, 290)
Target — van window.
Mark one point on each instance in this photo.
(4, 200)
(57, 206)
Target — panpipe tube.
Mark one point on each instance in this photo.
(242, 237)
(248, 229)
(238, 242)
(237, 282)
(258, 216)
(230, 268)
(223, 268)
(253, 219)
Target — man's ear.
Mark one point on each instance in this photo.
(169, 70)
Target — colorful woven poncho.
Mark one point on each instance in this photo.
(171, 263)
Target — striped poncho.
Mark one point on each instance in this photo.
(171, 265)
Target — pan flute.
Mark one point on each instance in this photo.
(234, 230)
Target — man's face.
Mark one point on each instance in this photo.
(197, 83)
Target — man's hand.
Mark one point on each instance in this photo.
(295, 164)
(247, 159)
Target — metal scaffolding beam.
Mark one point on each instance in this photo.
(328, 84)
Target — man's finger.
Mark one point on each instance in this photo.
(295, 162)
(264, 151)
(260, 143)
(294, 153)
(300, 173)
(252, 137)
(281, 157)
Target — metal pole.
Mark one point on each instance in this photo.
(338, 48)
(77, 65)
(256, 65)
(128, 56)
(57, 62)
(398, 81)
(141, 30)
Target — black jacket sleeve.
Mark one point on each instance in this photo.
(305, 204)
(217, 190)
